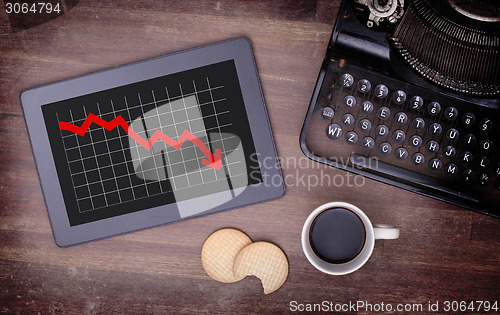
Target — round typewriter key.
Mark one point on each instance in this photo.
(497, 184)
(346, 80)
(418, 158)
(364, 86)
(484, 162)
(435, 164)
(450, 169)
(348, 119)
(334, 131)
(366, 107)
(399, 136)
(351, 137)
(368, 143)
(466, 157)
(365, 125)
(432, 146)
(452, 134)
(434, 108)
(399, 97)
(401, 118)
(435, 129)
(383, 113)
(451, 113)
(468, 175)
(469, 140)
(486, 125)
(468, 119)
(328, 113)
(416, 102)
(416, 141)
(381, 91)
(486, 145)
(449, 151)
(484, 179)
(418, 123)
(382, 131)
(385, 148)
(497, 168)
(401, 153)
(349, 101)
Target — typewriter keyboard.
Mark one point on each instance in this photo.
(408, 136)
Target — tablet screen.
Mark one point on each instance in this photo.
(150, 143)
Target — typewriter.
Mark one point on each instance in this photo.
(409, 95)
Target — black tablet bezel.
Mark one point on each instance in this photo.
(238, 49)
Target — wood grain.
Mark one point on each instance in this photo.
(443, 253)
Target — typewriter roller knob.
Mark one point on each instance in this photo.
(380, 11)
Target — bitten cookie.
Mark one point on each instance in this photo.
(219, 252)
(264, 260)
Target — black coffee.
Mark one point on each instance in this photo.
(337, 235)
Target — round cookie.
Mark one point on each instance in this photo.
(219, 251)
(264, 260)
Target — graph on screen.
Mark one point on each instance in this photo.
(166, 140)
(211, 160)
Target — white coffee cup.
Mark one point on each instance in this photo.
(345, 224)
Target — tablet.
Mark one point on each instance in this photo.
(152, 142)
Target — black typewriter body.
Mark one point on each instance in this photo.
(409, 95)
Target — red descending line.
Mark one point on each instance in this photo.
(210, 161)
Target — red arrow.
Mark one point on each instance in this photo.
(212, 161)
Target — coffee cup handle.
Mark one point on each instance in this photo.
(385, 231)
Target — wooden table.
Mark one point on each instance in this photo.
(444, 253)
